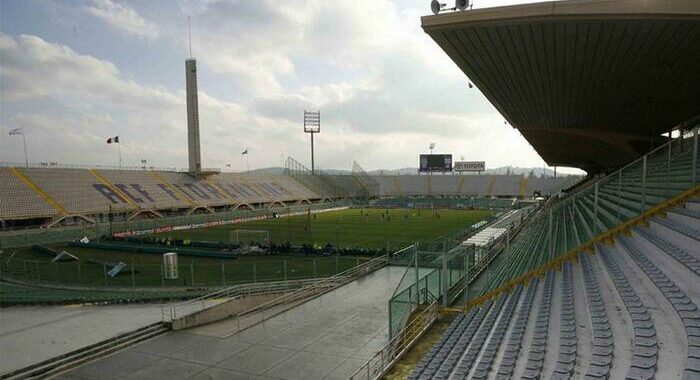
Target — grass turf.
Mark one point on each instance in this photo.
(349, 228)
(346, 228)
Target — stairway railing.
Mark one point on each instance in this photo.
(603, 205)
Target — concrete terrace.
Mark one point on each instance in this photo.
(328, 337)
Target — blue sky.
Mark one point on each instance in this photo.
(73, 73)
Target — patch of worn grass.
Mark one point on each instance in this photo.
(403, 367)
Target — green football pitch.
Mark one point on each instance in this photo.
(366, 228)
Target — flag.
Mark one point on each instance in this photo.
(114, 139)
(16, 131)
(245, 151)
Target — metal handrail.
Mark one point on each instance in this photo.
(305, 286)
(398, 346)
(50, 165)
(237, 291)
(689, 133)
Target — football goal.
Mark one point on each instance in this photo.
(247, 237)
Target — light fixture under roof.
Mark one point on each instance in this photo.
(436, 6)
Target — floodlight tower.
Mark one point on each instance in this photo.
(312, 124)
(194, 154)
(431, 146)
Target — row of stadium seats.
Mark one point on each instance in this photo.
(18, 200)
(469, 185)
(576, 219)
(628, 311)
(37, 192)
(497, 203)
(46, 192)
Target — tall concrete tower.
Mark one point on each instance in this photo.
(195, 156)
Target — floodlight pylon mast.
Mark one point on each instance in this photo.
(312, 153)
(312, 125)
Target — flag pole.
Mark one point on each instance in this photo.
(247, 163)
(24, 138)
(120, 154)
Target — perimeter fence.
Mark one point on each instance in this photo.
(192, 275)
(44, 236)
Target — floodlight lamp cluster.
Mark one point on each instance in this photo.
(312, 121)
(462, 5)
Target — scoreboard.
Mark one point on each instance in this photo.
(435, 163)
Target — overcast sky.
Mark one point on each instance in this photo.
(74, 73)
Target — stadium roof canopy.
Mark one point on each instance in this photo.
(590, 84)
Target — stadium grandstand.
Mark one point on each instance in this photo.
(423, 276)
(601, 281)
(41, 196)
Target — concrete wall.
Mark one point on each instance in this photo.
(221, 311)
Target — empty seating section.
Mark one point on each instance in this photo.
(468, 359)
(650, 286)
(567, 328)
(687, 310)
(97, 191)
(474, 185)
(412, 185)
(602, 343)
(345, 186)
(444, 359)
(488, 354)
(468, 185)
(505, 184)
(18, 201)
(200, 191)
(443, 185)
(567, 223)
(548, 185)
(145, 189)
(277, 187)
(645, 345)
(538, 341)
(685, 258)
(78, 190)
(506, 367)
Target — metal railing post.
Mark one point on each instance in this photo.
(644, 185)
(255, 273)
(466, 270)
(445, 301)
(668, 165)
(415, 251)
(694, 175)
(595, 209)
(619, 196)
(550, 243)
(223, 273)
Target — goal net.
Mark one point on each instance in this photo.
(247, 238)
(423, 205)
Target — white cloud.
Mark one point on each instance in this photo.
(384, 88)
(123, 17)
